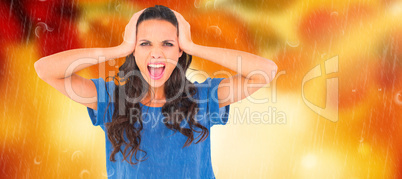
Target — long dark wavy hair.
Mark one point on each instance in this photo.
(178, 91)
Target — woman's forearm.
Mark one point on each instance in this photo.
(249, 63)
(64, 64)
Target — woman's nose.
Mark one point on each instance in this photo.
(156, 53)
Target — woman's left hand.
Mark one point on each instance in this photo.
(185, 42)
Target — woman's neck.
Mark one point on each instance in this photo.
(155, 97)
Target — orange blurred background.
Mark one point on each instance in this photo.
(44, 134)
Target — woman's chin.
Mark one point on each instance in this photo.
(156, 83)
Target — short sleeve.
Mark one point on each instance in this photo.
(99, 116)
(218, 116)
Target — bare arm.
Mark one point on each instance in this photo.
(242, 62)
(58, 70)
(64, 64)
(254, 71)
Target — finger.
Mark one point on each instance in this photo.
(177, 14)
(142, 10)
(137, 13)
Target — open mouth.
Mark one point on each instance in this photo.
(156, 70)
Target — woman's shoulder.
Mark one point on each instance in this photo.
(208, 88)
(208, 101)
(104, 89)
(209, 82)
(100, 82)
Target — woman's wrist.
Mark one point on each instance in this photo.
(190, 49)
(124, 49)
(114, 52)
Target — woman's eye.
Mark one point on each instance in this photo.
(169, 44)
(147, 43)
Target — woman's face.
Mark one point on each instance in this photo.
(157, 50)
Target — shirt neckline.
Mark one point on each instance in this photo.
(149, 106)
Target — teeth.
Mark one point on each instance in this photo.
(156, 65)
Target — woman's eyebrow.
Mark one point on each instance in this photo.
(162, 41)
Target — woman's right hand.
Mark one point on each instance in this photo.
(130, 33)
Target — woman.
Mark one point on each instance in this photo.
(152, 100)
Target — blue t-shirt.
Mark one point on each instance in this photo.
(165, 156)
